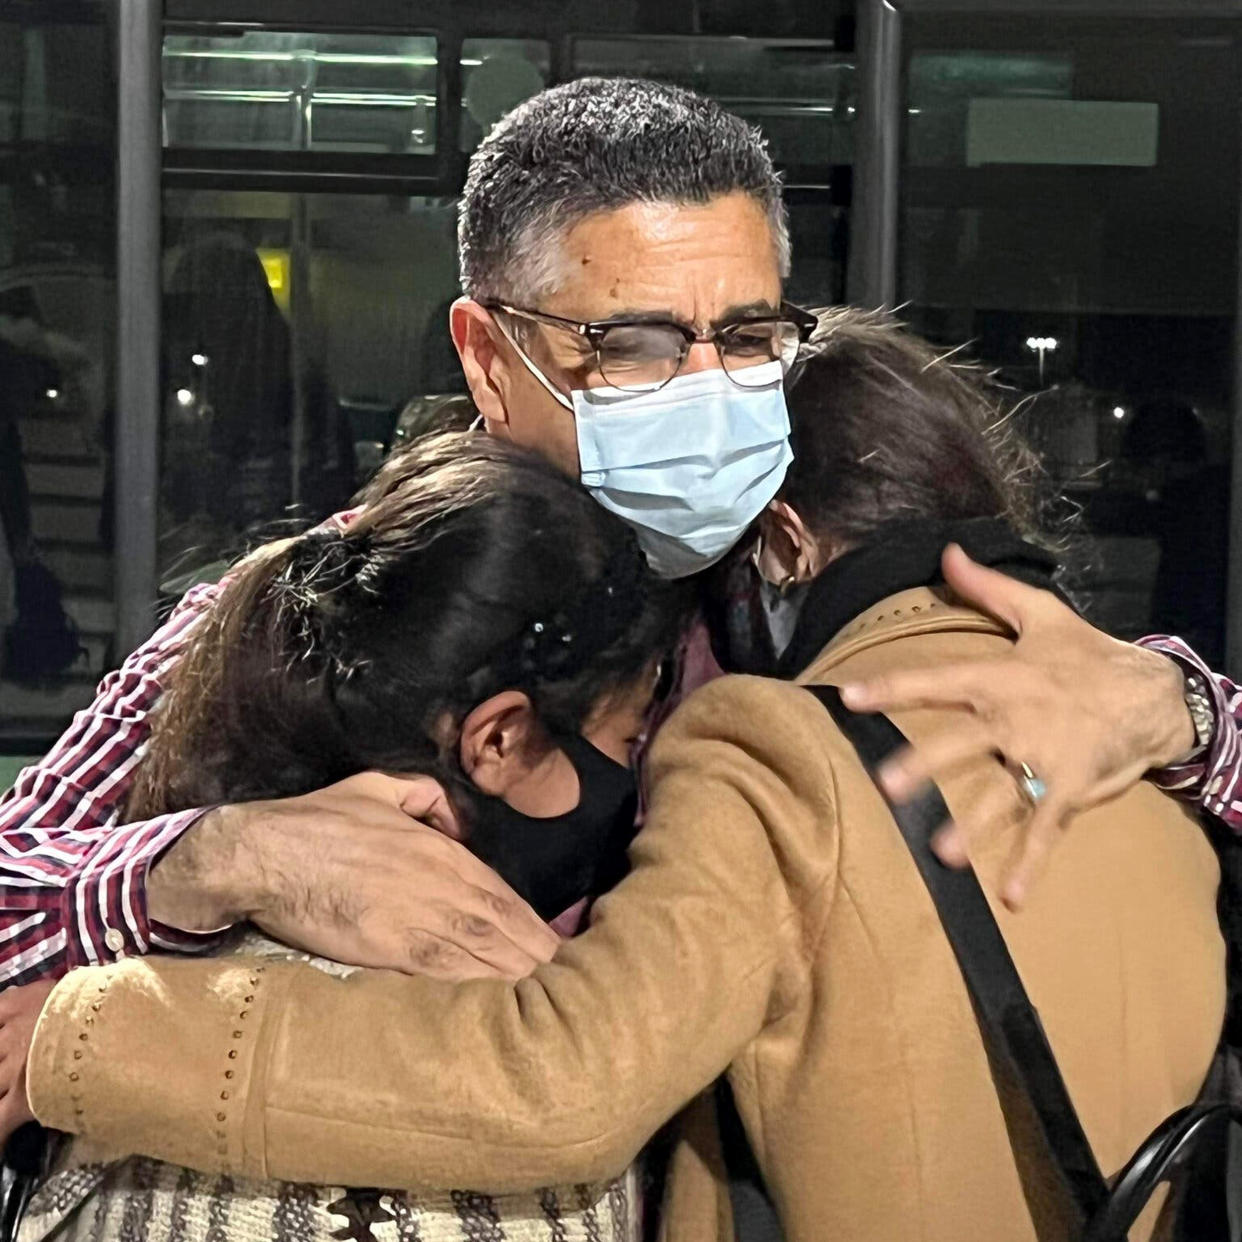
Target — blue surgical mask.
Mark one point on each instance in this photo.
(689, 466)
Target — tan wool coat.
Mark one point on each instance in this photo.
(773, 926)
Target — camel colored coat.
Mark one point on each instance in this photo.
(775, 926)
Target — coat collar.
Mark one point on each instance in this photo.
(919, 610)
(898, 557)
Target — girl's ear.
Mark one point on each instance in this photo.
(788, 553)
(501, 741)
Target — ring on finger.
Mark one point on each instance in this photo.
(1031, 785)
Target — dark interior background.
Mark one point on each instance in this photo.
(310, 169)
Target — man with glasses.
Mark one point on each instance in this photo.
(623, 247)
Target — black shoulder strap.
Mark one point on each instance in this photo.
(1011, 1026)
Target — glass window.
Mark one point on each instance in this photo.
(496, 76)
(799, 91)
(307, 333)
(268, 90)
(57, 313)
(299, 330)
(1063, 211)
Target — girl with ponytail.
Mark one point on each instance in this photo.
(480, 620)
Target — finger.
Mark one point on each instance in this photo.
(503, 907)
(949, 685)
(903, 775)
(948, 843)
(992, 812)
(473, 931)
(423, 799)
(1030, 856)
(514, 920)
(438, 958)
(1011, 602)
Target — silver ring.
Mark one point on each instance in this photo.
(1034, 788)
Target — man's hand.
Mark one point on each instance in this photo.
(19, 1011)
(1088, 714)
(355, 873)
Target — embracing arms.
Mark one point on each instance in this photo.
(288, 1073)
(77, 887)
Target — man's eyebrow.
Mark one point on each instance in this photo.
(749, 310)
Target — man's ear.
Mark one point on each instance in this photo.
(788, 551)
(480, 346)
(500, 742)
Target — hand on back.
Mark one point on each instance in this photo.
(1088, 714)
(366, 871)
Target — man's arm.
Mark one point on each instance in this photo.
(282, 1071)
(72, 878)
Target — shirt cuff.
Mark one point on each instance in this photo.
(1209, 775)
(105, 907)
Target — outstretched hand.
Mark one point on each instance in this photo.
(1088, 714)
(19, 1012)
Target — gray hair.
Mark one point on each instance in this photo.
(599, 144)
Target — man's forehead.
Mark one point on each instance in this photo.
(695, 263)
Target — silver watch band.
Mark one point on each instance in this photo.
(1202, 709)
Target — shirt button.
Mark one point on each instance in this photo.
(114, 940)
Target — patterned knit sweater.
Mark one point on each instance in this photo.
(84, 1199)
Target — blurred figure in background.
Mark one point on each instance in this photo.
(233, 447)
(37, 639)
(1164, 453)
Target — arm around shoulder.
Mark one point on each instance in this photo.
(389, 1080)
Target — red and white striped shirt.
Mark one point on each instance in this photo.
(73, 878)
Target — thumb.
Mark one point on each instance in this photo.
(1004, 598)
(423, 798)
(426, 801)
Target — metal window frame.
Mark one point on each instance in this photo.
(877, 184)
(138, 224)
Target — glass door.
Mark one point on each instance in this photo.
(1069, 203)
(57, 353)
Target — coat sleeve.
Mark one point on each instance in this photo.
(381, 1079)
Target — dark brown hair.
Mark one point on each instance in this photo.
(473, 567)
(887, 428)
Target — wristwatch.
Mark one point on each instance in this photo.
(1202, 709)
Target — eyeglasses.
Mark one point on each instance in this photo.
(642, 355)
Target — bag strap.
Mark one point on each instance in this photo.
(1009, 1021)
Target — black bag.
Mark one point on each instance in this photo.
(25, 1165)
(1190, 1149)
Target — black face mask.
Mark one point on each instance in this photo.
(555, 862)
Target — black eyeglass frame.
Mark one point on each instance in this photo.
(593, 331)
